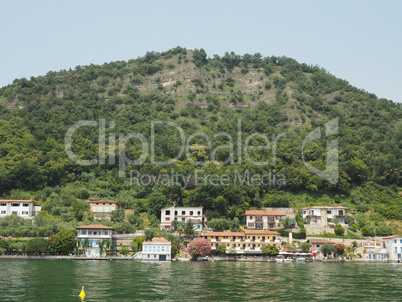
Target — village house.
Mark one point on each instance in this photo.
(22, 208)
(159, 249)
(316, 245)
(325, 215)
(246, 242)
(393, 245)
(182, 215)
(263, 219)
(102, 209)
(94, 234)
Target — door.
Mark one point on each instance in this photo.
(162, 257)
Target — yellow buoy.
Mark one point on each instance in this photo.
(82, 293)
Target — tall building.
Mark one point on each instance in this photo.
(182, 215)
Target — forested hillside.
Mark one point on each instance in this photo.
(269, 95)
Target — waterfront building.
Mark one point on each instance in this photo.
(94, 234)
(159, 249)
(323, 215)
(182, 215)
(22, 208)
(246, 242)
(393, 245)
(316, 245)
(102, 209)
(263, 219)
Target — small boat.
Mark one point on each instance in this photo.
(288, 260)
(280, 259)
(183, 259)
(301, 259)
(206, 259)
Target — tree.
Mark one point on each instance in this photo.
(327, 249)
(339, 249)
(339, 230)
(101, 245)
(231, 251)
(38, 246)
(135, 219)
(286, 222)
(136, 245)
(219, 224)
(117, 215)
(270, 250)
(189, 228)
(150, 233)
(305, 246)
(109, 247)
(221, 248)
(64, 242)
(124, 250)
(175, 224)
(175, 250)
(235, 224)
(199, 247)
(4, 246)
(367, 231)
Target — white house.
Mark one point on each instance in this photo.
(393, 244)
(22, 208)
(263, 220)
(94, 233)
(159, 249)
(323, 215)
(181, 214)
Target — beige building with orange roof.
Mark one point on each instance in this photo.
(246, 242)
(263, 219)
(102, 209)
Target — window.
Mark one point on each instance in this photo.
(14, 213)
(145, 248)
(167, 212)
(154, 248)
(89, 232)
(191, 213)
(396, 250)
(183, 219)
(106, 232)
(158, 248)
(183, 212)
(154, 256)
(304, 212)
(251, 217)
(175, 213)
(103, 203)
(199, 213)
(162, 248)
(198, 226)
(328, 212)
(110, 209)
(149, 255)
(15, 204)
(167, 249)
(317, 245)
(24, 212)
(394, 240)
(95, 233)
(3, 204)
(84, 232)
(97, 208)
(167, 218)
(3, 212)
(400, 241)
(25, 205)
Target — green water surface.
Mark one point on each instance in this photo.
(40, 280)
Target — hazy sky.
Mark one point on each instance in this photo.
(359, 41)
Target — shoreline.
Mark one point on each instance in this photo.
(219, 259)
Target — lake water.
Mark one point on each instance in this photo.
(40, 280)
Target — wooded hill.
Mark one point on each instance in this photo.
(269, 95)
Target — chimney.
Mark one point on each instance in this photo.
(290, 237)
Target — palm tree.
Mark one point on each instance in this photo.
(101, 244)
(85, 243)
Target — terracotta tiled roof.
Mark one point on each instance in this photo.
(260, 232)
(95, 226)
(393, 236)
(99, 201)
(325, 207)
(238, 234)
(319, 241)
(159, 239)
(264, 213)
(16, 200)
